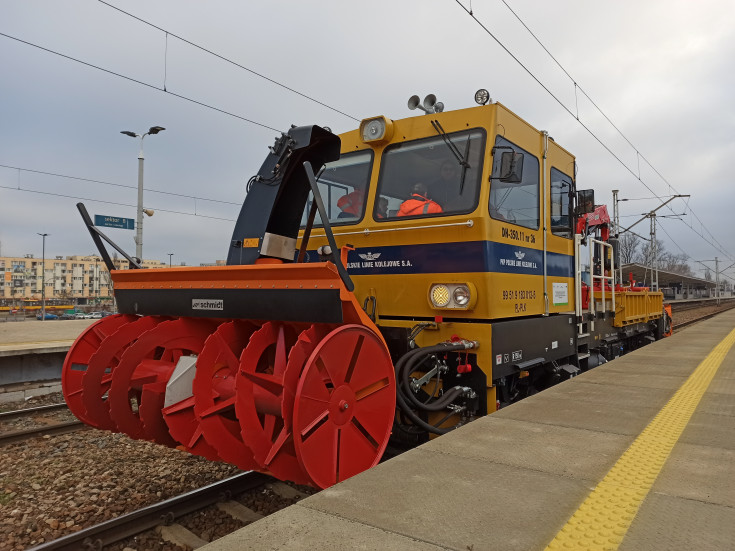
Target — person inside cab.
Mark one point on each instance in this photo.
(381, 209)
(351, 204)
(444, 186)
(419, 202)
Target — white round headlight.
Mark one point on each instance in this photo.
(373, 130)
(461, 295)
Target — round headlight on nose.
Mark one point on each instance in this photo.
(461, 295)
(457, 296)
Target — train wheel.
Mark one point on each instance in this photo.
(344, 405)
(150, 360)
(77, 360)
(260, 391)
(214, 392)
(96, 380)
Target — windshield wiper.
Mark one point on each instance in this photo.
(461, 159)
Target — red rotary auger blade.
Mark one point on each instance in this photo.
(260, 389)
(77, 361)
(97, 378)
(214, 392)
(150, 360)
(344, 405)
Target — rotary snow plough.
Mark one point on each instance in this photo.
(381, 288)
(271, 366)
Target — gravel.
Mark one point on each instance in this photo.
(53, 486)
(39, 419)
(34, 402)
(56, 485)
(688, 315)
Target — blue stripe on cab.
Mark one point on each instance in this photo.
(451, 258)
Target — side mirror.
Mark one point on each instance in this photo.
(511, 167)
(585, 201)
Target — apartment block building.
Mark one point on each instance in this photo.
(74, 278)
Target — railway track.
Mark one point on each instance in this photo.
(48, 430)
(30, 411)
(696, 304)
(164, 513)
(681, 325)
(52, 429)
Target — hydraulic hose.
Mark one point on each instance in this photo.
(408, 360)
(415, 418)
(439, 404)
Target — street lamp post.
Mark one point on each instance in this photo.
(96, 282)
(139, 222)
(43, 276)
(169, 259)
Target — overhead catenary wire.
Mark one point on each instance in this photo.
(716, 244)
(113, 203)
(142, 83)
(151, 190)
(639, 155)
(228, 60)
(688, 257)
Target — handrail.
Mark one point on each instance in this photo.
(602, 277)
(368, 231)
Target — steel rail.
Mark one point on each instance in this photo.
(697, 303)
(683, 324)
(29, 411)
(50, 430)
(165, 512)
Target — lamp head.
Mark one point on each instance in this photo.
(482, 96)
(156, 129)
(129, 133)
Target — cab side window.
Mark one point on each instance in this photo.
(561, 197)
(516, 202)
(343, 186)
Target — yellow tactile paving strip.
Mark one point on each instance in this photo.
(604, 518)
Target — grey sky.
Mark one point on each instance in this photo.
(662, 71)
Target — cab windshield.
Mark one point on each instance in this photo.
(425, 178)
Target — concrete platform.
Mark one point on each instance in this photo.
(34, 350)
(512, 480)
(39, 337)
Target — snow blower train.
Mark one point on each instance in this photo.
(382, 287)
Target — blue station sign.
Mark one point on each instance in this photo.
(114, 222)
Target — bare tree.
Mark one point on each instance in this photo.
(628, 244)
(676, 263)
(667, 261)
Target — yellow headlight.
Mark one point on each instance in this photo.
(440, 295)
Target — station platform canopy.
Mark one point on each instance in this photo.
(642, 276)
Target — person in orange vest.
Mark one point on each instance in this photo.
(418, 203)
(351, 204)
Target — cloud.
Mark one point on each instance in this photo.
(660, 71)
